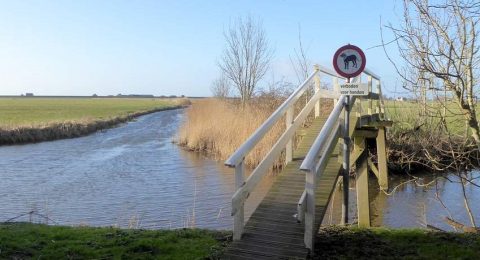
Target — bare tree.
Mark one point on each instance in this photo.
(439, 47)
(438, 42)
(300, 63)
(247, 55)
(221, 87)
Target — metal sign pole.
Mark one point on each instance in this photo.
(346, 159)
(343, 57)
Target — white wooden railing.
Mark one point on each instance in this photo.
(317, 158)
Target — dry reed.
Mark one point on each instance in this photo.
(219, 127)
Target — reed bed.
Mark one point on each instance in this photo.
(219, 127)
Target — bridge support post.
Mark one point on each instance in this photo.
(317, 88)
(382, 159)
(361, 182)
(238, 218)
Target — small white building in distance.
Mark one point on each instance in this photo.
(401, 99)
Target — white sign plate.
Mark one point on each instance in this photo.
(354, 89)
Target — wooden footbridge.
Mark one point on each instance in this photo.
(286, 222)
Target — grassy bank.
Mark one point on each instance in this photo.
(24, 120)
(381, 243)
(34, 241)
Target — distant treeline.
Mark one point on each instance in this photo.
(96, 96)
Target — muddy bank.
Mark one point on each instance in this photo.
(70, 129)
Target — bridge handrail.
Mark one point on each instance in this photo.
(329, 72)
(242, 192)
(371, 73)
(317, 157)
(250, 143)
(319, 143)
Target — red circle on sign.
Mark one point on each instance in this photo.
(339, 52)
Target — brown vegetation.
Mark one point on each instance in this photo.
(427, 140)
(428, 150)
(219, 127)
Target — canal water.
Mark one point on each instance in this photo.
(134, 176)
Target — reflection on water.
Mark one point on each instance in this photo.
(134, 176)
(414, 202)
(127, 176)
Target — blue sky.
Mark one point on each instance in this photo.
(170, 47)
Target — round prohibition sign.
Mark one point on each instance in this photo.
(349, 61)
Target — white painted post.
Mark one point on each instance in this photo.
(238, 219)
(369, 80)
(289, 146)
(317, 88)
(310, 183)
(380, 100)
(335, 88)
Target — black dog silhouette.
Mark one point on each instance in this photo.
(347, 59)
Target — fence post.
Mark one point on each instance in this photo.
(317, 88)
(381, 104)
(369, 80)
(309, 235)
(238, 219)
(289, 146)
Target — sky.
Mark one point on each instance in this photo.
(172, 47)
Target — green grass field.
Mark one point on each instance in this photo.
(34, 241)
(407, 115)
(18, 112)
